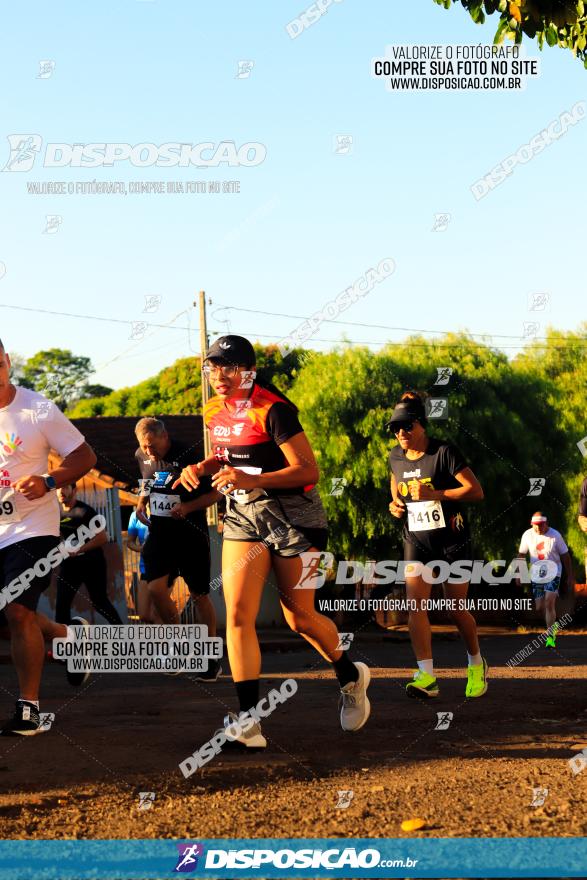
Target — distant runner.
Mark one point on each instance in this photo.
(136, 535)
(543, 543)
(429, 481)
(87, 565)
(178, 543)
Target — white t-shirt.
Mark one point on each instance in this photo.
(30, 427)
(551, 546)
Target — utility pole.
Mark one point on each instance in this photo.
(212, 512)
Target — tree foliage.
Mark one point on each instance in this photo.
(554, 22)
(177, 389)
(496, 416)
(57, 373)
(559, 364)
(514, 421)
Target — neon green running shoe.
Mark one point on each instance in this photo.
(423, 686)
(477, 680)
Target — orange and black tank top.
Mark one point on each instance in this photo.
(251, 432)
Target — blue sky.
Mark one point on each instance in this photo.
(307, 221)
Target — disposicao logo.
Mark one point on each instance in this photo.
(188, 857)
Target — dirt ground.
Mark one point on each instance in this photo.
(123, 734)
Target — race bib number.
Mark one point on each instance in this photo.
(162, 505)
(423, 516)
(8, 511)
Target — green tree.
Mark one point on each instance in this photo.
(173, 391)
(17, 363)
(559, 363)
(496, 416)
(177, 389)
(57, 373)
(95, 391)
(554, 22)
(280, 371)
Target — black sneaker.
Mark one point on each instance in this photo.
(25, 721)
(211, 674)
(75, 679)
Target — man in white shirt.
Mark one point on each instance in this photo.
(30, 426)
(545, 544)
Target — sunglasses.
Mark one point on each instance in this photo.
(228, 370)
(402, 426)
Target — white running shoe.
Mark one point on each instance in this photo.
(356, 708)
(252, 738)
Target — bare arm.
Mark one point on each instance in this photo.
(582, 520)
(397, 507)
(73, 466)
(207, 466)
(190, 475)
(301, 470)
(518, 582)
(97, 541)
(469, 490)
(201, 503)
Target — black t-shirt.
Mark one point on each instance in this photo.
(162, 497)
(80, 514)
(583, 498)
(437, 468)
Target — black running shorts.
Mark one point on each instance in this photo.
(188, 558)
(417, 551)
(21, 557)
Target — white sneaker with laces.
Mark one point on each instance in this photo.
(250, 736)
(356, 708)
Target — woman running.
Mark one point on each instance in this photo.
(429, 480)
(265, 466)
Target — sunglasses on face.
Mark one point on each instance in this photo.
(402, 426)
(228, 370)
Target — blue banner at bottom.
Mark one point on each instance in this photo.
(294, 857)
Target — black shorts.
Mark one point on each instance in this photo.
(418, 551)
(20, 557)
(188, 558)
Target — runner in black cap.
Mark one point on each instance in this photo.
(265, 466)
(429, 480)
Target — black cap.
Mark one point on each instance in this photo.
(233, 350)
(408, 411)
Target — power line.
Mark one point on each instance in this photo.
(437, 344)
(88, 317)
(132, 347)
(371, 326)
(483, 336)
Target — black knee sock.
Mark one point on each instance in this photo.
(345, 670)
(248, 693)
